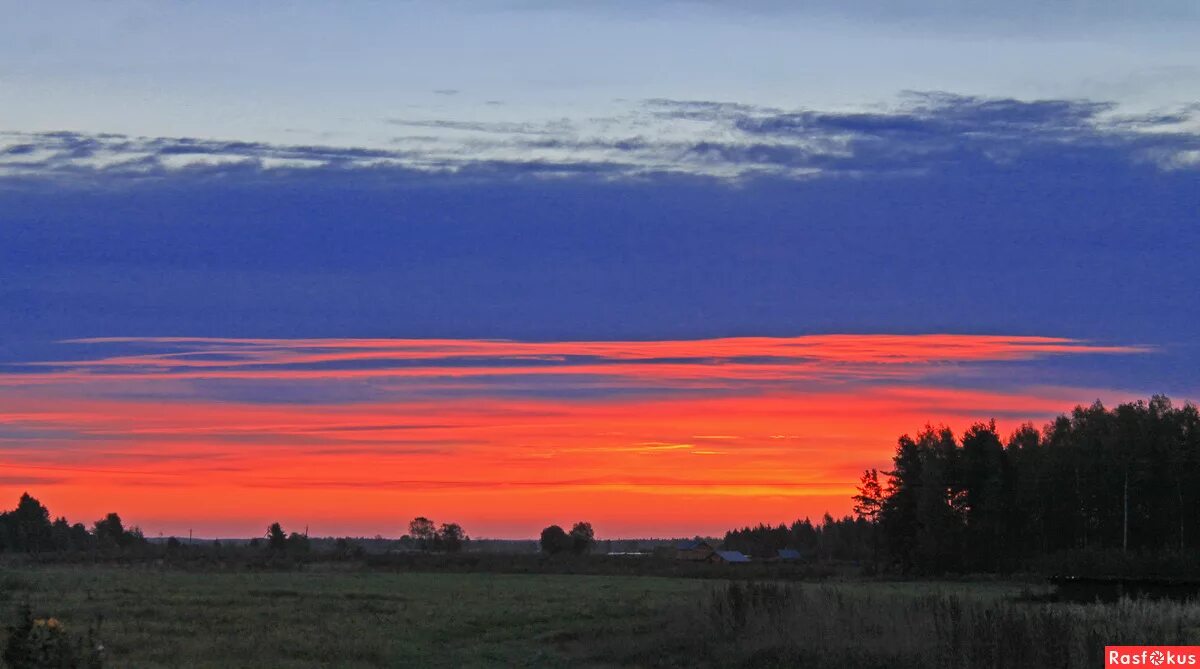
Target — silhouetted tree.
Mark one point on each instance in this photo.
(554, 540)
(68, 537)
(984, 479)
(423, 532)
(869, 500)
(26, 528)
(868, 504)
(804, 536)
(276, 538)
(110, 532)
(297, 545)
(898, 514)
(451, 537)
(582, 537)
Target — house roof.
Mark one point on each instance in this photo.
(789, 554)
(692, 545)
(733, 556)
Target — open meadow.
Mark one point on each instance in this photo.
(155, 618)
(348, 616)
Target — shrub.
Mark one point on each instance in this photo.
(45, 643)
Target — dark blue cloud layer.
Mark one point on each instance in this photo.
(957, 215)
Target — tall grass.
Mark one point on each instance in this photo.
(764, 625)
(333, 615)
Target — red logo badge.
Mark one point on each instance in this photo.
(1151, 656)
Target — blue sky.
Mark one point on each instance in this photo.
(611, 169)
(592, 172)
(308, 73)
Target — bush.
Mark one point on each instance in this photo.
(45, 643)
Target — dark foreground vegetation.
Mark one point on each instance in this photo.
(346, 616)
(869, 626)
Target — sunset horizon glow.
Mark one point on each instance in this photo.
(667, 267)
(528, 333)
(220, 436)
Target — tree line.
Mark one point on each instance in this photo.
(555, 540)
(841, 539)
(28, 529)
(1120, 480)
(1091, 485)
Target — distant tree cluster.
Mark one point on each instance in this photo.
(579, 540)
(1125, 479)
(28, 529)
(833, 539)
(425, 535)
(281, 543)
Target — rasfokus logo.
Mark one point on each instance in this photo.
(1151, 656)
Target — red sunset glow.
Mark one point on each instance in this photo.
(642, 438)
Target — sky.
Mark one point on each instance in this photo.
(669, 267)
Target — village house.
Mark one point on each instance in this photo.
(729, 557)
(696, 549)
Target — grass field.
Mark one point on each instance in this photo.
(353, 617)
(154, 618)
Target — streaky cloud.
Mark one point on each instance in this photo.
(921, 132)
(732, 364)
